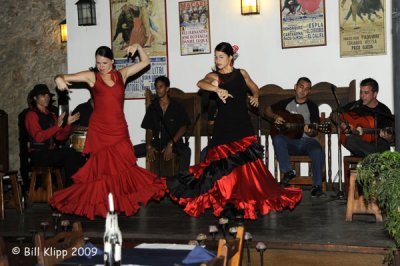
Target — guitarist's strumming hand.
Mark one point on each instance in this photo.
(310, 130)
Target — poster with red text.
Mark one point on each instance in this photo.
(194, 25)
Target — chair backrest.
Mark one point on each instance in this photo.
(64, 242)
(232, 249)
(3, 253)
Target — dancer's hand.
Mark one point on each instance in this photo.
(223, 94)
(61, 83)
(253, 101)
(131, 49)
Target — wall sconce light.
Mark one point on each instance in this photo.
(63, 31)
(250, 7)
(86, 12)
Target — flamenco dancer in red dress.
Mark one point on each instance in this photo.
(111, 166)
(233, 173)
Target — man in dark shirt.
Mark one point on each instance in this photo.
(305, 145)
(85, 111)
(165, 122)
(44, 129)
(377, 112)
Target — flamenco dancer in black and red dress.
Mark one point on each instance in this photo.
(233, 172)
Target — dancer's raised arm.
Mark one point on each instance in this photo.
(135, 68)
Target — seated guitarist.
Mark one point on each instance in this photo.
(367, 112)
(306, 144)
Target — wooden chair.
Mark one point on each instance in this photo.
(297, 160)
(162, 167)
(15, 200)
(232, 249)
(216, 261)
(349, 163)
(5, 171)
(356, 204)
(45, 191)
(3, 253)
(65, 242)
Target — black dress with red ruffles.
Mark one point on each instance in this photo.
(233, 171)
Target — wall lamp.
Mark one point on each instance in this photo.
(86, 12)
(63, 31)
(250, 7)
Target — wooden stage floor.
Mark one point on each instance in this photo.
(314, 222)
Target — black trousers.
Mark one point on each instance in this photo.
(183, 151)
(361, 148)
(67, 158)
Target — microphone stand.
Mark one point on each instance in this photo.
(340, 193)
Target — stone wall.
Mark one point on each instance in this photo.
(31, 52)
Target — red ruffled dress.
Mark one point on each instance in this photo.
(233, 171)
(111, 166)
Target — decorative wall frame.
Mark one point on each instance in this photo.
(194, 27)
(143, 22)
(302, 23)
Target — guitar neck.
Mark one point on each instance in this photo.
(363, 130)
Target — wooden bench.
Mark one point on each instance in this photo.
(356, 203)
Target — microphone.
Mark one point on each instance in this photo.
(357, 104)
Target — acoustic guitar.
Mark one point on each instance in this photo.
(294, 126)
(364, 126)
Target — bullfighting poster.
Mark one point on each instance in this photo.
(194, 26)
(142, 22)
(362, 27)
(302, 23)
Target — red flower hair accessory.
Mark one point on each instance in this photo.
(235, 48)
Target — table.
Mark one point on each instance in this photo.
(143, 255)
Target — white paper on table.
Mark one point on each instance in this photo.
(165, 246)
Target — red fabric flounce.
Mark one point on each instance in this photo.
(249, 187)
(113, 169)
(222, 152)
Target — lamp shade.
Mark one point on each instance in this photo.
(86, 12)
(63, 31)
(250, 7)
